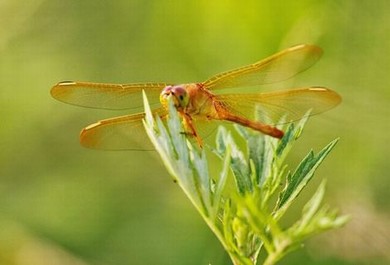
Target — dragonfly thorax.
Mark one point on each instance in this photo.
(178, 94)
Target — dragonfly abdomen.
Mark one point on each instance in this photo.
(255, 125)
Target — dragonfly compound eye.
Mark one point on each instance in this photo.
(180, 96)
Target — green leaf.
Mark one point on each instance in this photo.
(221, 183)
(288, 137)
(311, 207)
(256, 149)
(238, 163)
(316, 219)
(299, 179)
(292, 133)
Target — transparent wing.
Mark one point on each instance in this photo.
(290, 104)
(107, 96)
(278, 67)
(120, 133)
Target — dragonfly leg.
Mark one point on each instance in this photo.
(190, 129)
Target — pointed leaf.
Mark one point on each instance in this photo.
(303, 174)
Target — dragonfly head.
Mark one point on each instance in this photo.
(178, 94)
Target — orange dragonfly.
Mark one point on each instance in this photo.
(200, 104)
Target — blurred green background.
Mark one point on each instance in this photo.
(62, 204)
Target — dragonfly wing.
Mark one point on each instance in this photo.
(278, 67)
(120, 133)
(107, 96)
(289, 104)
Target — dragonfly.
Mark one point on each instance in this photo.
(202, 105)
